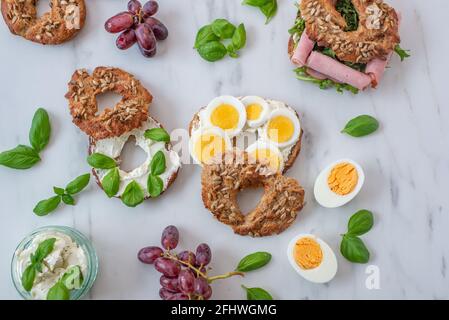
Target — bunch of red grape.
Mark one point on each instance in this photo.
(184, 275)
(138, 25)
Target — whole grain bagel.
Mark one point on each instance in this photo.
(235, 170)
(376, 36)
(64, 20)
(127, 115)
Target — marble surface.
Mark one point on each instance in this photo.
(406, 162)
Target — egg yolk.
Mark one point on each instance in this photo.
(307, 253)
(343, 179)
(225, 116)
(253, 111)
(269, 156)
(208, 146)
(280, 129)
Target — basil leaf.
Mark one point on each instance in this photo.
(257, 294)
(68, 199)
(360, 223)
(205, 35)
(268, 7)
(157, 164)
(133, 194)
(253, 261)
(111, 182)
(58, 191)
(78, 184)
(40, 130)
(231, 51)
(239, 37)
(73, 278)
(28, 277)
(403, 54)
(58, 292)
(100, 161)
(361, 126)
(212, 51)
(44, 207)
(21, 157)
(157, 134)
(44, 249)
(353, 249)
(223, 28)
(155, 186)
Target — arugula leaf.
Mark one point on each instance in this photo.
(403, 54)
(157, 165)
(44, 207)
(133, 194)
(58, 292)
(40, 131)
(157, 134)
(21, 157)
(301, 74)
(257, 294)
(111, 182)
(349, 13)
(299, 26)
(78, 184)
(101, 161)
(155, 186)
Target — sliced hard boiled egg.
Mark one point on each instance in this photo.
(338, 183)
(257, 110)
(282, 128)
(312, 258)
(205, 144)
(227, 113)
(267, 153)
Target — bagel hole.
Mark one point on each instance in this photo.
(248, 199)
(132, 156)
(107, 100)
(42, 7)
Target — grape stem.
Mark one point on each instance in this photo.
(226, 275)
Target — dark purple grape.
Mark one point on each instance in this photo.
(170, 235)
(120, 22)
(159, 29)
(148, 53)
(167, 267)
(179, 296)
(126, 39)
(171, 284)
(201, 286)
(150, 8)
(186, 281)
(146, 41)
(149, 254)
(208, 294)
(188, 257)
(203, 255)
(165, 294)
(134, 6)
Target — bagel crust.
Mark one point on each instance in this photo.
(236, 170)
(326, 26)
(54, 27)
(127, 115)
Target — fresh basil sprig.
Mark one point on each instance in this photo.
(46, 206)
(157, 134)
(219, 38)
(155, 185)
(133, 194)
(111, 182)
(25, 157)
(403, 54)
(254, 261)
(58, 292)
(268, 7)
(101, 161)
(352, 247)
(71, 280)
(361, 126)
(257, 294)
(43, 250)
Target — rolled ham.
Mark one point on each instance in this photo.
(303, 50)
(316, 74)
(376, 68)
(337, 70)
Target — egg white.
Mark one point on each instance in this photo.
(236, 103)
(323, 193)
(263, 115)
(296, 124)
(266, 145)
(203, 131)
(325, 272)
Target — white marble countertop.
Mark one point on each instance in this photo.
(406, 162)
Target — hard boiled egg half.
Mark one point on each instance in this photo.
(257, 111)
(312, 258)
(268, 153)
(338, 183)
(205, 144)
(282, 128)
(227, 113)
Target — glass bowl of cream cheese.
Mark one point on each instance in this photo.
(60, 257)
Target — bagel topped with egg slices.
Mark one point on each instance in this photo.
(345, 44)
(268, 130)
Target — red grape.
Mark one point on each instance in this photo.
(186, 281)
(203, 255)
(171, 284)
(167, 267)
(201, 286)
(165, 294)
(149, 254)
(150, 8)
(148, 53)
(170, 235)
(159, 29)
(187, 256)
(126, 39)
(179, 296)
(120, 22)
(134, 6)
(208, 294)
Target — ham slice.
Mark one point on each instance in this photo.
(316, 74)
(337, 70)
(303, 50)
(376, 68)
